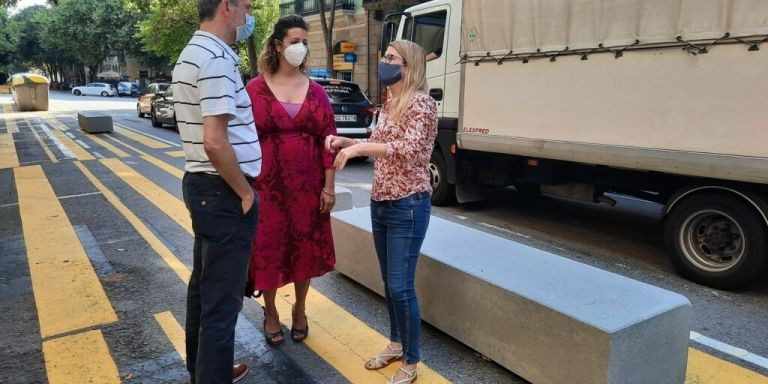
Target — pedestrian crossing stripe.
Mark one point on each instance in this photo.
(104, 144)
(40, 141)
(68, 294)
(80, 358)
(8, 156)
(58, 134)
(175, 153)
(137, 137)
(174, 332)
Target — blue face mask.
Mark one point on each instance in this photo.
(244, 31)
(390, 73)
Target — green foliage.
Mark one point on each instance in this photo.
(168, 27)
(92, 29)
(7, 40)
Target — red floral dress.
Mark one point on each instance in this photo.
(293, 240)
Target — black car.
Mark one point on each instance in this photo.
(353, 111)
(161, 108)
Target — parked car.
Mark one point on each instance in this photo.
(161, 108)
(352, 110)
(144, 105)
(126, 88)
(93, 89)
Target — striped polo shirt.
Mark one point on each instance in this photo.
(207, 82)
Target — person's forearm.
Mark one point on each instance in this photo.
(371, 149)
(330, 179)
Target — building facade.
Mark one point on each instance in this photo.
(356, 37)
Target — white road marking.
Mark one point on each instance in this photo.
(728, 349)
(148, 135)
(63, 148)
(83, 144)
(505, 230)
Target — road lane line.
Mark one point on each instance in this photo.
(8, 156)
(77, 151)
(140, 137)
(171, 143)
(80, 358)
(156, 195)
(730, 350)
(83, 144)
(10, 122)
(151, 159)
(68, 294)
(40, 141)
(707, 369)
(63, 148)
(157, 245)
(175, 153)
(174, 331)
(100, 263)
(104, 144)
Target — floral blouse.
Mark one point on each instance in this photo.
(404, 170)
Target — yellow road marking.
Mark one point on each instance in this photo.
(10, 124)
(80, 358)
(151, 159)
(8, 108)
(175, 153)
(162, 199)
(80, 153)
(157, 245)
(344, 341)
(109, 147)
(707, 369)
(67, 291)
(146, 140)
(8, 157)
(42, 144)
(174, 332)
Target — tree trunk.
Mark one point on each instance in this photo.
(252, 57)
(328, 32)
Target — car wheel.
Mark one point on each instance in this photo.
(77, 92)
(155, 122)
(717, 240)
(138, 111)
(104, 94)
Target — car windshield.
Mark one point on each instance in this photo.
(343, 93)
(162, 87)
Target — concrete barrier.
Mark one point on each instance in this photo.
(546, 318)
(94, 122)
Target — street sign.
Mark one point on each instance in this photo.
(340, 65)
(347, 47)
(350, 57)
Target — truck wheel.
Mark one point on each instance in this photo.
(442, 192)
(717, 240)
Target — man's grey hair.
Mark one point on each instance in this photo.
(206, 9)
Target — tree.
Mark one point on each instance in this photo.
(328, 32)
(106, 33)
(170, 24)
(7, 43)
(27, 26)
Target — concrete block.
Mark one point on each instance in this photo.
(94, 122)
(546, 318)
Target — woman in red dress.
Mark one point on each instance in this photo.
(293, 115)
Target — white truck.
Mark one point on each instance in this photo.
(664, 100)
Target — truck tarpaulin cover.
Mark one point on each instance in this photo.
(525, 26)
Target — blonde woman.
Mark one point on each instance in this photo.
(400, 198)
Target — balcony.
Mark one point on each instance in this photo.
(309, 7)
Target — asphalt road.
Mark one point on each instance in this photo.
(140, 285)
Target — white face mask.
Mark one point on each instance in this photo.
(295, 54)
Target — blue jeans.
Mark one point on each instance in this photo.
(399, 227)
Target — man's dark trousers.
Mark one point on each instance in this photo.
(222, 250)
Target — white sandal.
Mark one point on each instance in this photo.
(383, 358)
(410, 377)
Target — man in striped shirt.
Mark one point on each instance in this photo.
(223, 155)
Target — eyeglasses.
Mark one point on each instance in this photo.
(390, 58)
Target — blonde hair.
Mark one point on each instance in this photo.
(414, 76)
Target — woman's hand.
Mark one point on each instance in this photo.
(344, 156)
(333, 143)
(327, 201)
